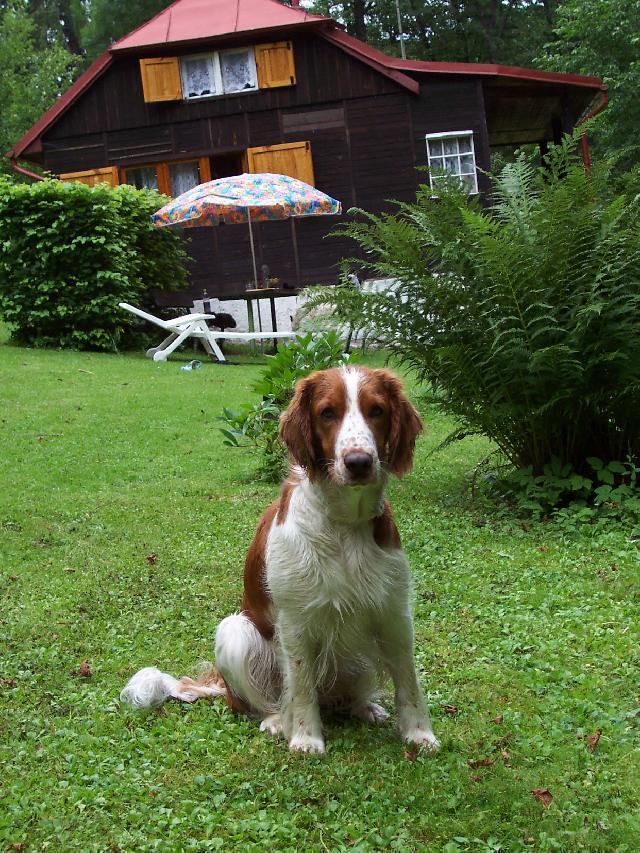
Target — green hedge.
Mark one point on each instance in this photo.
(70, 253)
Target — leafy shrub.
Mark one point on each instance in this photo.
(524, 317)
(70, 253)
(256, 425)
(607, 490)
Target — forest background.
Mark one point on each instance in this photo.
(46, 44)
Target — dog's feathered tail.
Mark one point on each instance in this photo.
(150, 687)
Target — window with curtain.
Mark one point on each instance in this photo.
(452, 154)
(198, 76)
(238, 70)
(144, 178)
(184, 176)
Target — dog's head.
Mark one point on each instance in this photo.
(351, 424)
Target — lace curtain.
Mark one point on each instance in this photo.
(143, 179)
(184, 176)
(237, 71)
(198, 79)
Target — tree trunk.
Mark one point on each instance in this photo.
(359, 25)
(69, 28)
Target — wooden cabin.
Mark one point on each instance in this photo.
(211, 88)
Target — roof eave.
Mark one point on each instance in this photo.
(349, 44)
(498, 71)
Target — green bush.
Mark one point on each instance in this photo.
(524, 316)
(608, 491)
(70, 253)
(256, 425)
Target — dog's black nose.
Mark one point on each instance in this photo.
(358, 463)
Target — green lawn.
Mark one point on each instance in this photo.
(123, 525)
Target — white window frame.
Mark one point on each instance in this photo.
(214, 59)
(215, 67)
(433, 158)
(252, 63)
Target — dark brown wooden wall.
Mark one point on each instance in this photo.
(366, 134)
(446, 104)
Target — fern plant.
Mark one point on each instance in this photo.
(524, 316)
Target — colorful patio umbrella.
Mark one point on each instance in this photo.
(246, 198)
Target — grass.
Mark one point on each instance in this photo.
(123, 527)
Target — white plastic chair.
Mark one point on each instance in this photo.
(195, 326)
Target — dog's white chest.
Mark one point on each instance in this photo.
(324, 569)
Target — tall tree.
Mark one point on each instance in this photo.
(602, 37)
(109, 20)
(31, 76)
(58, 21)
(511, 32)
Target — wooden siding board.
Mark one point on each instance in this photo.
(264, 128)
(190, 137)
(382, 159)
(226, 133)
(140, 145)
(64, 155)
(310, 120)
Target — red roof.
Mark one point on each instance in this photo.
(375, 57)
(198, 20)
(190, 21)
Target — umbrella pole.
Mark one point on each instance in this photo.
(253, 251)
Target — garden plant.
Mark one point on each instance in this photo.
(524, 318)
(70, 253)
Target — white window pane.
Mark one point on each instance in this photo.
(450, 146)
(466, 164)
(435, 148)
(237, 70)
(465, 144)
(470, 183)
(451, 165)
(198, 78)
(143, 179)
(184, 176)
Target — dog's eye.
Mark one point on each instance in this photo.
(376, 411)
(328, 414)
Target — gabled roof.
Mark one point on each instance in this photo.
(187, 21)
(191, 21)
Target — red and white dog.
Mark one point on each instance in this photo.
(326, 611)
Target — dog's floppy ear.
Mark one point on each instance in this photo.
(404, 428)
(296, 429)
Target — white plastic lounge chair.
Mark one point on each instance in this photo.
(195, 326)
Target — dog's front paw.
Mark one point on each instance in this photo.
(370, 712)
(272, 725)
(307, 743)
(424, 738)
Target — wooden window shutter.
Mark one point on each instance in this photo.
(292, 158)
(161, 79)
(91, 177)
(274, 64)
